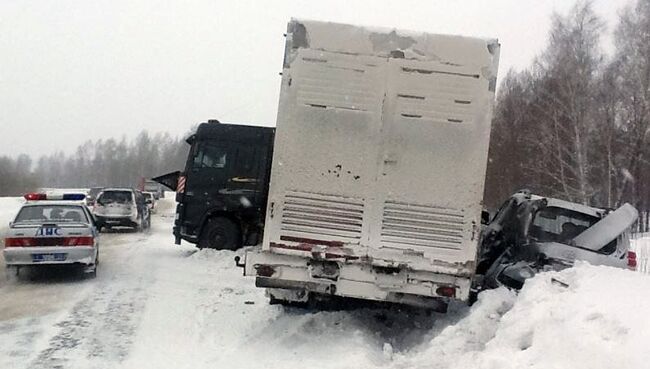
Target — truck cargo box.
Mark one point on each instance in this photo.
(380, 158)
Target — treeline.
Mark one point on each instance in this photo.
(107, 162)
(575, 124)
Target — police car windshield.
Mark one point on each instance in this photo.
(51, 213)
(119, 197)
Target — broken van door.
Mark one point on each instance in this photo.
(608, 228)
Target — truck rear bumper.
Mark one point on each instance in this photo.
(356, 280)
(116, 221)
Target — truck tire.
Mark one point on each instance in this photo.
(220, 234)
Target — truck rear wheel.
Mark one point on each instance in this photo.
(220, 234)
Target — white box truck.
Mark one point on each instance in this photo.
(378, 165)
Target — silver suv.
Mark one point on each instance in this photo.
(121, 207)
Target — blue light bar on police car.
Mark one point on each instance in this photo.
(73, 196)
(54, 196)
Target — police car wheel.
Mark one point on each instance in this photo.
(220, 234)
(92, 273)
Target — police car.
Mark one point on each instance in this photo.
(52, 229)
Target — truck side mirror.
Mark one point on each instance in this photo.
(485, 217)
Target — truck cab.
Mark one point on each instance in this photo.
(222, 192)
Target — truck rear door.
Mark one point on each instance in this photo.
(435, 135)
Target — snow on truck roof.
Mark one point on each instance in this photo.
(344, 38)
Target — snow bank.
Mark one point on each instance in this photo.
(9, 206)
(598, 321)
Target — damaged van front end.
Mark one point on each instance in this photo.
(531, 234)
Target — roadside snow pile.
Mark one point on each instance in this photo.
(8, 208)
(213, 255)
(598, 321)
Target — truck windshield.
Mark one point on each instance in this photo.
(210, 156)
(553, 224)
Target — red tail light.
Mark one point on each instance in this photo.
(19, 241)
(48, 241)
(631, 259)
(446, 291)
(78, 241)
(265, 270)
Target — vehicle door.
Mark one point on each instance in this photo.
(207, 178)
(93, 225)
(243, 185)
(141, 205)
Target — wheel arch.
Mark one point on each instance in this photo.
(218, 213)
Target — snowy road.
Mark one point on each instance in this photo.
(158, 305)
(57, 318)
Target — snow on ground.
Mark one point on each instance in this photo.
(598, 321)
(158, 305)
(8, 208)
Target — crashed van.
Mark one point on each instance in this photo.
(531, 233)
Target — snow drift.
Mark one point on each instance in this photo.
(598, 321)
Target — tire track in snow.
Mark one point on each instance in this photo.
(100, 328)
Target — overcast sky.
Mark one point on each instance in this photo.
(72, 70)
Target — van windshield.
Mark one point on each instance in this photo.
(553, 224)
(119, 197)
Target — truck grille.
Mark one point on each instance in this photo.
(421, 225)
(318, 214)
